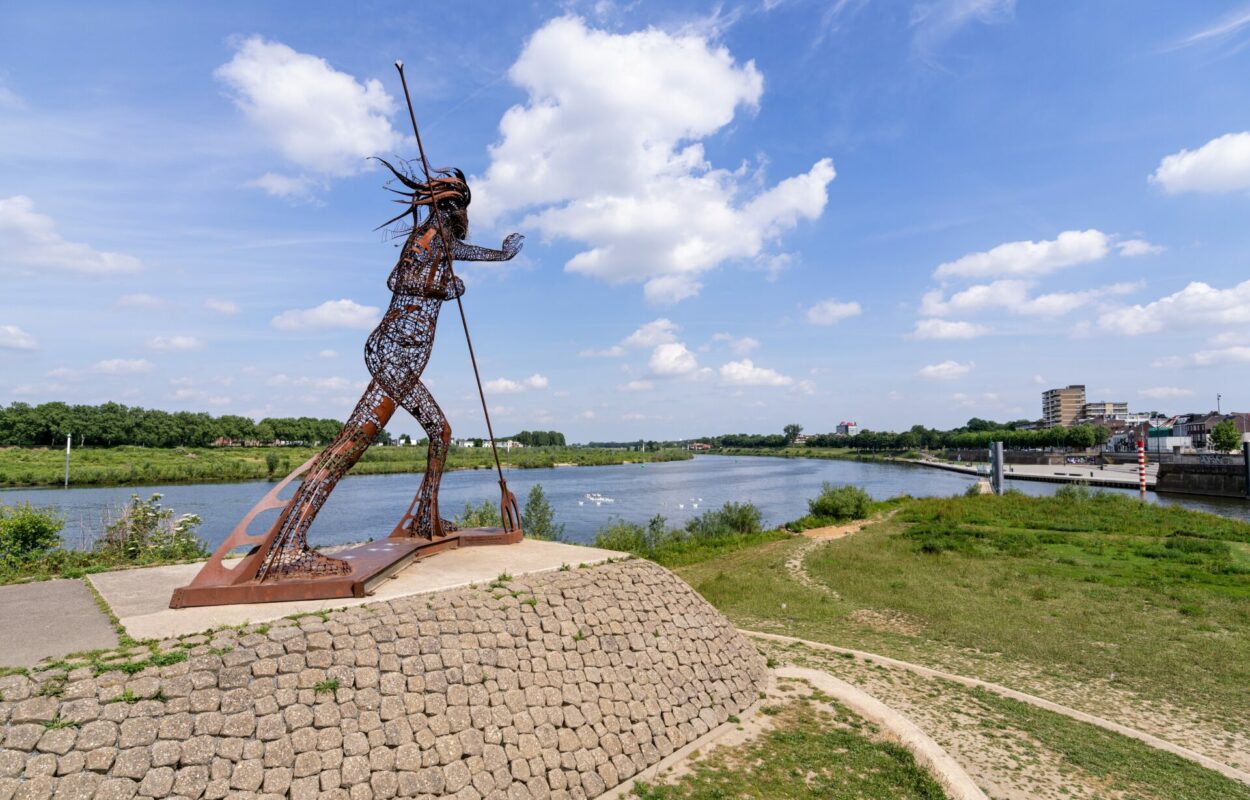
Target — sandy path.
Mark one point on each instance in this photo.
(918, 702)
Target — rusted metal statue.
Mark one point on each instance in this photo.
(280, 565)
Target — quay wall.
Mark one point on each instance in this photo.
(557, 685)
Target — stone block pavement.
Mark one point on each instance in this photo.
(558, 685)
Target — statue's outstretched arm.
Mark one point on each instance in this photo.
(471, 252)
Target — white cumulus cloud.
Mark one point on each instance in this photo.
(330, 314)
(1198, 304)
(607, 151)
(660, 331)
(1014, 297)
(508, 386)
(14, 338)
(745, 373)
(122, 366)
(1138, 247)
(739, 345)
(1237, 354)
(673, 358)
(636, 386)
(172, 343)
(1220, 165)
(30, 241)
(226, 307)
(947, 329)
(829, 312)
(1029, 259)
(945, 371)
(318, 118)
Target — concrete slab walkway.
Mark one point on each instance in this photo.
(140, 597)
(50, 618)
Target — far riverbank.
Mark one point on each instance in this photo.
(36, 467)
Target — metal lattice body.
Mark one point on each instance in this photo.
(396, 354)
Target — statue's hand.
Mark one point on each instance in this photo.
(512, 244)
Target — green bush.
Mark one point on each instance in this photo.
(538, 520)
(483, 515)
(627, 537)
(840, 503)
(144, 532)
(729, 527)
(28, 532)
(730, 518)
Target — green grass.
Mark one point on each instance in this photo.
(328, 686)
(1122, 765)
(1146, 598)
(120, 466)
(810, 753)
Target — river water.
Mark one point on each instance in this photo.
(369, 506)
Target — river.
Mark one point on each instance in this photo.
(369, 506)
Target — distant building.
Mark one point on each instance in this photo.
(508, 445)
(1062, 406)
(801, 439)
(848, 428)
(698, 446)
(1104, 409)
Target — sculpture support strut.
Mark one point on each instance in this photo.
(279, 564)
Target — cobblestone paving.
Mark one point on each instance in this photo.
(557, 685)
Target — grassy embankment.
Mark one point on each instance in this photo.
(122, 466)
(1133, 612)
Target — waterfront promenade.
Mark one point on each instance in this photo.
(1117, 476)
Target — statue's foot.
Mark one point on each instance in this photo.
(308, 564)
(447, 526)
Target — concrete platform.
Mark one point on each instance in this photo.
(50, 618)
(140, 597)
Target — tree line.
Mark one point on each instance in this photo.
(977, 433)
(538, 438)
(114, 424)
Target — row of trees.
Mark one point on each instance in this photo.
(977, 433)
(113, 424)
(537, 438)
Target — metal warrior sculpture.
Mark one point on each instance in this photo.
(280, 565)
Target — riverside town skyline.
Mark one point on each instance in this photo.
(894, 214)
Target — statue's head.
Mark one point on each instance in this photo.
(446, 192)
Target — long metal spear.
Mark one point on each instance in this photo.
(464, 321)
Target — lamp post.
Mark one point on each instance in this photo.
(69, 437)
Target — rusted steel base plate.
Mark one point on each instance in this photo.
(372, 563)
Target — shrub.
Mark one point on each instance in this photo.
(628, 537)
(484, 515)
(840, 503)
(730, 518)
(538, 520)
(144, 531)
(26, 531)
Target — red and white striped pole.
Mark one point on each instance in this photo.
(1141, 466)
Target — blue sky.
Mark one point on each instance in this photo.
(738, 215)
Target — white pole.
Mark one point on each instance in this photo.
(68, 439)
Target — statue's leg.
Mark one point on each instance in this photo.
(422, 517)
(290, 554)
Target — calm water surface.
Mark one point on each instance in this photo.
(369, 506)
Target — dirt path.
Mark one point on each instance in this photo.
(1008, 764)
(818, 536)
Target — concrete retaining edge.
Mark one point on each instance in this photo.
(928, 753)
